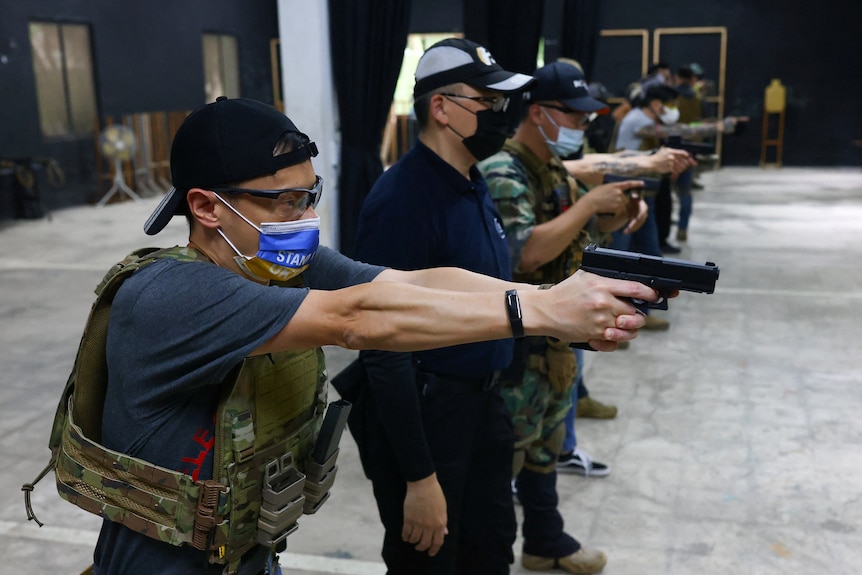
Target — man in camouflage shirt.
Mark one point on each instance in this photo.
(548, 221)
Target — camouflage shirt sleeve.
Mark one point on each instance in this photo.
(509, 187)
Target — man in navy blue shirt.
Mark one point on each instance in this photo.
(434, 435)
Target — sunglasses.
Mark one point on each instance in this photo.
(293, 200)
(568, 111)
(495, 103)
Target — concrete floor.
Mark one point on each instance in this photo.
(738, 444)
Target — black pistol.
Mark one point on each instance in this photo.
(693, 148)
(662, 274)
(651, 184)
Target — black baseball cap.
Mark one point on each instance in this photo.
(225, 142)
(564, 83)
(659, 91)
(461, 61)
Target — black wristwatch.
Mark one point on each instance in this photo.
(516, 320)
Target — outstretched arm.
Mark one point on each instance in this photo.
(728, 125)
(591, 168)
(400, 316)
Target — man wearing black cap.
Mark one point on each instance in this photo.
(210, 353)
(435, 437)
(548, 220)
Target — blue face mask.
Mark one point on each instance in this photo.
(568, 141)
(284, 248)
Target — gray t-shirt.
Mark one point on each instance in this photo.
(176, 330)
(632, 123)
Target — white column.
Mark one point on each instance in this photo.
(309, 95)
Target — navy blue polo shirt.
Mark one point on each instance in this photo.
(422, 213)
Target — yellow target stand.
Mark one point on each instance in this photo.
(774, 104)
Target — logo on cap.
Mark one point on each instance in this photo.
(485, 56)
(579, 84)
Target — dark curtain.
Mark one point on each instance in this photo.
(582, 23)
(510, 29)
(367, 40)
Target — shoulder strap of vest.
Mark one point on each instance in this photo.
(537, 172)
(528, 158)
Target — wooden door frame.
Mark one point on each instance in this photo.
(722, 63)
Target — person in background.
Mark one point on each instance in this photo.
(690, 111)
(434, 435)
(548, 221)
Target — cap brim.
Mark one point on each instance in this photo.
(587, 104)
(167, 208)
(502, 81)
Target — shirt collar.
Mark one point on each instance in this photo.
(449, 174)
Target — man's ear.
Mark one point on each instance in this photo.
(436, 111)
(534, 112)
(202, 204)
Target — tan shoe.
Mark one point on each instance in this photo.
(583, 561)
(655, 324)
(681, 235)
(589, 407)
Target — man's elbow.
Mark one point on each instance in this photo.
(362, 334)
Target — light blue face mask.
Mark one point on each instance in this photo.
(568, 142)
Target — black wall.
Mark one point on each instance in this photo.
(813, 47)
(147, 57)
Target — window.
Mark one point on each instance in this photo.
(63, 68)
(221, 67)
(402, 101)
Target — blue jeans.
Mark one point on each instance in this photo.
(683, 191)
(579, 390)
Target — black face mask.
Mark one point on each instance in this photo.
(491, 131)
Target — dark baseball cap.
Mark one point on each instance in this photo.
(564, 83)
(461, 61)
(225, 142)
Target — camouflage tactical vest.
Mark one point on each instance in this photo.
(557, 191)
(265, 430)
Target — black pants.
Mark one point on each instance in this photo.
(543, 530)
(469, 434)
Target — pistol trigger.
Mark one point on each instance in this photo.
(660, 303)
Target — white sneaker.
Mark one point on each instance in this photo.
(581, 463)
